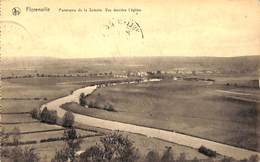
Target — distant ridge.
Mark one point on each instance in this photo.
(239, 64)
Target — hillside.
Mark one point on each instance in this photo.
(249, 65)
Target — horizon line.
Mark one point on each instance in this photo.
(108, 57)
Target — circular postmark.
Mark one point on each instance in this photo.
(123, 27)
(14, 37)
(123, 37)
(16, 11)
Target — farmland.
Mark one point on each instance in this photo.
(21, 95)
(189, 107)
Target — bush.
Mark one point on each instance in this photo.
(15, 136)
(51, 139)
(60, 156)
(91, 104)
(35, 113)
(82, 99)
(119, 148)
(227, 159)
(109, 107)
(114, 147)
(167, 155)
(152, 156)
(24, 155)
(207, 152)
(48, 116)
(68, 119)
(94, 154)
(72, 141)
(20, 143)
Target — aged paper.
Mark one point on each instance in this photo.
(126, 81)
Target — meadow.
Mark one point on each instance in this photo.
(20, 96)
(189, 107)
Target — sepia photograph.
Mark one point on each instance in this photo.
(130, 81)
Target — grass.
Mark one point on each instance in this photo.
(50, 89)
(193, 108)
(52, 134)
(30, 127)
(31, 88)
(16, 118)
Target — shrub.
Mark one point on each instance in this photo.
(152, 156)
(114, 147)
(15, 137)
(68, 119)
(35, 113)
(73, 141)
(119, 148)
(48, 116)
(227, 159)
(207, 152)
(167, 155)
(27, 154)
(60, 156)
(94, 154)
(109, 107)
(20, 143)
(51, 139)
(82, 99)
(91, 104)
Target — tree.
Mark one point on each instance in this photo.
(114, 148)
(72, 141)
(35, 113)
(52, 117)
(15, 137)
(48, 116)
(93, 154)
(152, 156)
(44, 114)
(68, 119)
(167, 155)
(82, 100)
(60, 156)
(27, 154)
(5, 139)
(118, 148)
(16, 154)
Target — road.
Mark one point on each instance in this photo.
(170, 136)
(240, 96)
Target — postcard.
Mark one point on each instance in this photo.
(130, 81)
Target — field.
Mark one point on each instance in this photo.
(20, 96)
(194, 108)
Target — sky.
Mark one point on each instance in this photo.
(170, 28)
